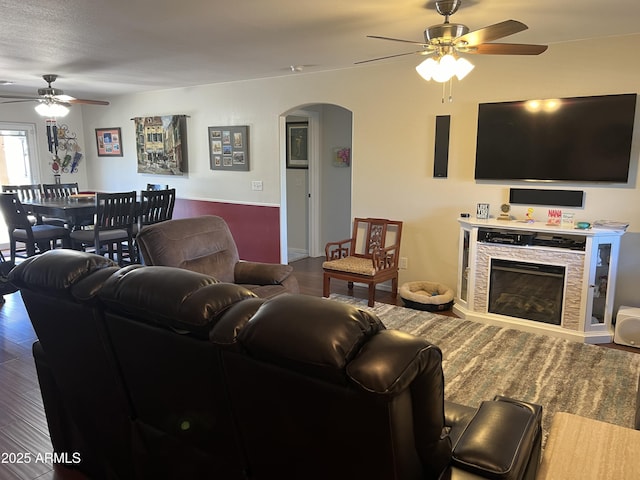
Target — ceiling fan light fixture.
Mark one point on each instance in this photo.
(463, 68)
(52, 109)
(445, 68)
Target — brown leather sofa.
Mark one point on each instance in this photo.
(160, 372)
(204, 244)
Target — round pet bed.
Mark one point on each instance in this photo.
(430, 296)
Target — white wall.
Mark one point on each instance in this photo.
(394, 114)
(25, 113)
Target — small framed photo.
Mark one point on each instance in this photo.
(109, 142)
(297, 145)
(482, 211)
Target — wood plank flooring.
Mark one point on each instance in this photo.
(23, 426)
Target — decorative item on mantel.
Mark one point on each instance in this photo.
(342, 157)
(482, 211)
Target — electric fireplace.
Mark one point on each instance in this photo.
(531, 291)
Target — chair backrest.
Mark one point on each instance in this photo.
(25, 192)
(377, 237)
(202, 244)
(157, 186)
(156, 206)
(15, 215)
(59, 190)
(115, 211)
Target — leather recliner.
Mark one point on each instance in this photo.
(204, 244)
(219, 383)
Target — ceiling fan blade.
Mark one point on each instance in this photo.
(87, 102)
(507, 49)
(419, 52)
(491, 33)
(19, 100)
(426, 45)
(19, 97)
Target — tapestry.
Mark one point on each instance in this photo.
(161, 144)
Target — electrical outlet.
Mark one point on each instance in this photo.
(256, 185)
(404, 263)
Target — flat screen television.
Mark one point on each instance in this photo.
(581, 139)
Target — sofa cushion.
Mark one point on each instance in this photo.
(173, 297)
(56, 271)
(308, 334)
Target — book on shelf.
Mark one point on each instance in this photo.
(610, 225)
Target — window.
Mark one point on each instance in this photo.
(17, 160)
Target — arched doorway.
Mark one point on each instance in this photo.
(316, 201)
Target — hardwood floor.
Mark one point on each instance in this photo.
(23, 426)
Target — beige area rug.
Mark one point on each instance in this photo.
(481, 361)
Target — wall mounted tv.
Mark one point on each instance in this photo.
(581, 139)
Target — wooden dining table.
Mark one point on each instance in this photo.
(75, 210)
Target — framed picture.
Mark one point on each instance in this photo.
(297, 145)
(108, 141)
(229, 148)
(161, 144)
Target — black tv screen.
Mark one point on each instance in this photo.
(581, 139)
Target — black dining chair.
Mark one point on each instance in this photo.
(59, 190)
(157, 186)
(112, 232)
(51, 191)
(36, 238)
(156, 206)
(26, 193)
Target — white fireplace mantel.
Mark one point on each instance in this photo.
(589, 281)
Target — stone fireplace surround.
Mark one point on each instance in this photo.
(581, 270)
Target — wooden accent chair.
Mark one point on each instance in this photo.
(370, 256)
(113, 227)
(36, 238)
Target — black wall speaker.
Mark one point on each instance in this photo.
(441, 157)
(559, 198)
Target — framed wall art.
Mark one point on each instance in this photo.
(108, 141)
(161, 144)
(229, 148)
(297, 145)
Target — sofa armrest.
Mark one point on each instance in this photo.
(500, 440)
(255, 273)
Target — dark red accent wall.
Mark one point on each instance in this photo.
(255, 228)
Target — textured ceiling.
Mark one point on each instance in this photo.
(104, 48)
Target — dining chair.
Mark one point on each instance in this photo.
(156, 206)
(58, 190)
(112, 232)
(157, 186)
(26, 193)
(36, 238)
(370, 256)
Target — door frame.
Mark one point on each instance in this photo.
(314, 182)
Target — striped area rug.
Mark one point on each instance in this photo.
(481, 361)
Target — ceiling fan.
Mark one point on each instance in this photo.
(453, 38)
(50, 97)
